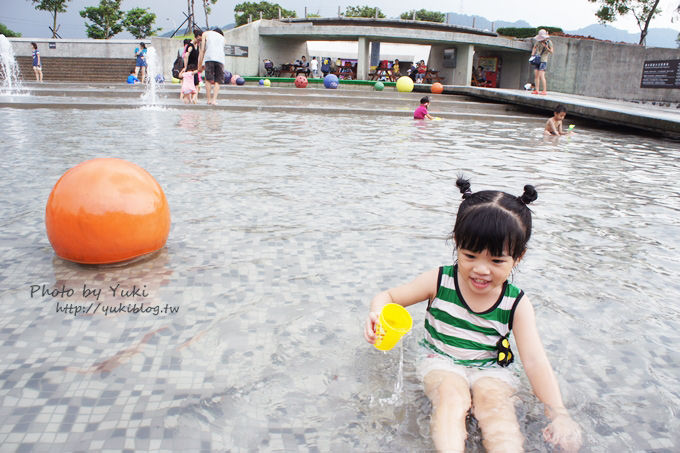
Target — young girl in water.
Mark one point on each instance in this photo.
(471, 310)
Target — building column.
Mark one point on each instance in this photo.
(462, 75)
(363, 57)
(375, 53)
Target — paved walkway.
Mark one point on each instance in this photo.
(661, 120)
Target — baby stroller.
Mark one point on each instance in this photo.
(270, 69)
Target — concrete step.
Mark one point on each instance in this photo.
(78, 69)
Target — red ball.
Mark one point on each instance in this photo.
(437, 88)
(301, 81)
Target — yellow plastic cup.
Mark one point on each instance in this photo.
(394, 322)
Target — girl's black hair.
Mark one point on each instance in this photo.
(191, 67)
(493, 220)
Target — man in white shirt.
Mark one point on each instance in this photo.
(211, 57)
(314, 66)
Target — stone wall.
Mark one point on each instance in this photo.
(608, 70)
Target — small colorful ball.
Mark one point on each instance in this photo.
(267, 82)
(301, 81)
(437, 88)
(261, 82)
(404, 84)
(379, 86)
(331, 81)
(240, 81)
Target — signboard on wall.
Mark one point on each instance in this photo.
(660, 74)
(235, 51)
(449, 60)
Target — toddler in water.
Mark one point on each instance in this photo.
(554, 125)
(421, 112)
(471, 311)
(188, 92)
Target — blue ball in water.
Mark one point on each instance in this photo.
(240, 81)
(331, 81)
(261, 82)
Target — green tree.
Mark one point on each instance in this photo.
(643, 11)
(425, 15)
(269, 11)
(363, 11)
(7, 32)
(207, 9)
(54, 7)
(139, 22)
(107, 19)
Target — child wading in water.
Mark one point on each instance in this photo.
(421, 111)
(188, 91)
(554, 124)
(471, 310)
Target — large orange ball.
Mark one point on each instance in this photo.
(437, 88)
(106, 211)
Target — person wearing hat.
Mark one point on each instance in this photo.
(542, 48)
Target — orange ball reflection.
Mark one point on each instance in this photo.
(106, 211)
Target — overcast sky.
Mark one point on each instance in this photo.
(21, 16)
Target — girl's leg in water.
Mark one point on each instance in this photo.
(494, 409)
(450, 397)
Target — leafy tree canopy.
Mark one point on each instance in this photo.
(363, 11)
(54, 7)
(107, 19)
(139, 22)
(425, 15)
(7, 32)
(528, 32)
(643, 11)
(58, 6)
(269, 11)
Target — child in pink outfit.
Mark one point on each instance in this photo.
(188, 91)
(421, 111)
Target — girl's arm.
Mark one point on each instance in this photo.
(421, 288)
(562, 430)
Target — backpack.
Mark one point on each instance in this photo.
(177, 66)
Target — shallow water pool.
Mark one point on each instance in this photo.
(284, 227)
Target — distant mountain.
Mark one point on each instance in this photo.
(480, 22)
(656, 37)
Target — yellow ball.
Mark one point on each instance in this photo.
(404, 84)
(267, 82)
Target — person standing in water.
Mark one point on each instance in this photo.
(211, 58)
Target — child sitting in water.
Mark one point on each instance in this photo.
(554, 125)
(471, 311)
(132, 78)
(421, 112)
(188, 91)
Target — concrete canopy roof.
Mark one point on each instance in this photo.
(397, 31)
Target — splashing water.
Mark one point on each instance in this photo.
(153, 74)
(9, 69)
